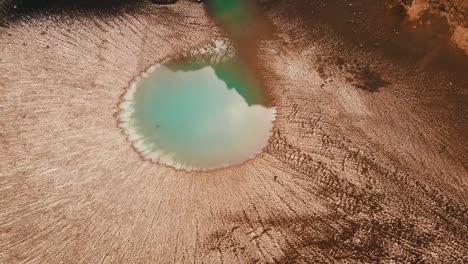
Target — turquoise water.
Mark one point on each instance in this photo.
(196, 116)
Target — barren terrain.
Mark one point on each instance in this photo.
(368, 162)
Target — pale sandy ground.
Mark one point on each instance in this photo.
(350, 176)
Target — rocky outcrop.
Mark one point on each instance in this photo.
(454, 11)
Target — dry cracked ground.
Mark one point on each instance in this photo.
(367, 164)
